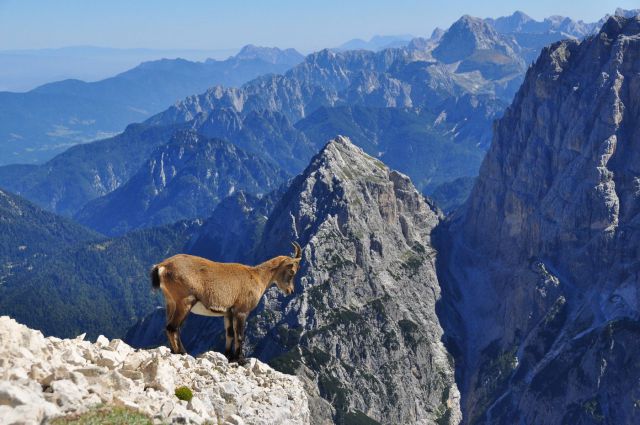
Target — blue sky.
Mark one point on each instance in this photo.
(213, 24)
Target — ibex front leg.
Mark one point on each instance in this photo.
(239, 320)
(228, 330)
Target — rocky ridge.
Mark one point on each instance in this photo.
(41, 378)
(454, 104)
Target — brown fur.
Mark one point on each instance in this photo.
(227, 289)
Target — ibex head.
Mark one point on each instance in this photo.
(287, 269)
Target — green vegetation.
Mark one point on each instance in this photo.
(184, 393)
(105, 415)
(593, 409)
(332, 389)
(73, 290)
(287, 362)
(338, 262)
(358, 418)
(28, 233)
(452, 194)
(70, 178)
(494, 372)
(409, 332)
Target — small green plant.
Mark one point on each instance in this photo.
(184, 393)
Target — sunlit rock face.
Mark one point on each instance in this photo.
(543, 264)
(43, 378)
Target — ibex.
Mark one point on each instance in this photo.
(195, 284)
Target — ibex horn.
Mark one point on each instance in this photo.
(298, 253)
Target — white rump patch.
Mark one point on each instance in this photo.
(200, 309)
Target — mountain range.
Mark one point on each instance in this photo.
(22, 70)
(377, 42)
(520, 306)
(444, 116)
(64, 279)
(38, 124)
(439, 95)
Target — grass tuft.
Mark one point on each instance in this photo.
(184, 393)
(105, 415)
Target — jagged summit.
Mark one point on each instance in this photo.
(478, 46)
(343, 175)
(346, 160)
(627, 13)
(622, 25)
(270, 54)
(463, 37)
(517, 22)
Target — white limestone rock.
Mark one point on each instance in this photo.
(41, 378)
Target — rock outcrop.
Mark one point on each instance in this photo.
(41, 378)
(543, 268)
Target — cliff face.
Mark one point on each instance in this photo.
(41, 378)
(361, 328)
(543, 267)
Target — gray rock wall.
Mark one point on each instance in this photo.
(543, 268)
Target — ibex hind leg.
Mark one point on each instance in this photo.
(238, 328)
(170, 331)
(173, 326)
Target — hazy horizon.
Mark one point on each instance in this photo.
(204, 25)
(42, 42)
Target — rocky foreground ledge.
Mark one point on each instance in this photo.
(42, 378)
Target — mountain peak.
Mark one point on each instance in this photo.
(185, 178)
(342, 142)
(621, 25)
(464, 37)
(627, 13)
(366, 235)
(477, 45)
(269, 54)
(520, 15)
(346, 161)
